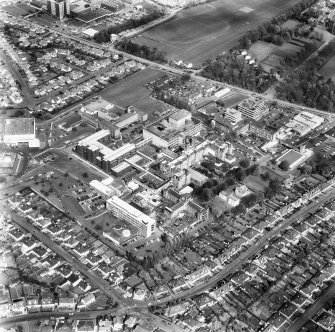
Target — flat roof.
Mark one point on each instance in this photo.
(291, 156)
(181, 114)
(90, 32)
(20, 126)
(130, 210)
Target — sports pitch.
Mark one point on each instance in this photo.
(203, 32)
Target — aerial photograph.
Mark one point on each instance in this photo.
(167, 165)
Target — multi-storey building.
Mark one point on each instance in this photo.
(59, 8)
(173, 131)
(253, 108)
(123, 210)
(234, 116)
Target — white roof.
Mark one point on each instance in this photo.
(99, 186)
(131, 211)
(132, 185)
(90, 32)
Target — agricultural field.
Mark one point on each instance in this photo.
(328, 69)
(131, 91)
(203, 32)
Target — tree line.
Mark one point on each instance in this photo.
(143, 51)
(103, 36)
(307, 87)
(272, 31)
(234, 176)
(232, 68)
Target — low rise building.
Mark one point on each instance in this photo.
(20, 132)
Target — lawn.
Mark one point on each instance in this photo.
(71, 204)
(255, 183)
(328, 69)
(44, 19)
(261, 50)
(19, 9)
(232, 99)
(290, 24)
(131, 91)
(204, 31)
(100, 223)
(74, 168)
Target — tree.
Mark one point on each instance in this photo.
(164, 237)
(284, 165)
(85, 175)
(245, 163)
(306, 169)
(206, 195)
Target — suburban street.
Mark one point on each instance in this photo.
(125, 305)
(178, 71)
(12, 68)
(75, 262)
(313, 310)
(246, 255)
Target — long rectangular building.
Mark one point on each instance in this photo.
(123, 210)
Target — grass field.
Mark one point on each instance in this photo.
(71, 204)
(204, 31)
(328, 69)
(100, 223)
(74, 168)
(233, 99)
(19, 9)
(255, 183)
(131, 91)
(44, 19)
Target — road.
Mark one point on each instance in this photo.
(313, 310)
(178, 71)
(12, 68)
(73, 261)
(246, 255)
(138, 312)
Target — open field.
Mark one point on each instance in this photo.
(328, 69)
(44, 19)
(255, 183)
(19, 9)
(203, 32)
(71, 204)
(290, 24)
(74, 168)
(131, 91)
(270, 55)
(232, 99)
(100, 223)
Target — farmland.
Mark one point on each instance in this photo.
(202, 32)
(131, 91)
(328, 69)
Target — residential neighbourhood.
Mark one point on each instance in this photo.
(147, 188)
